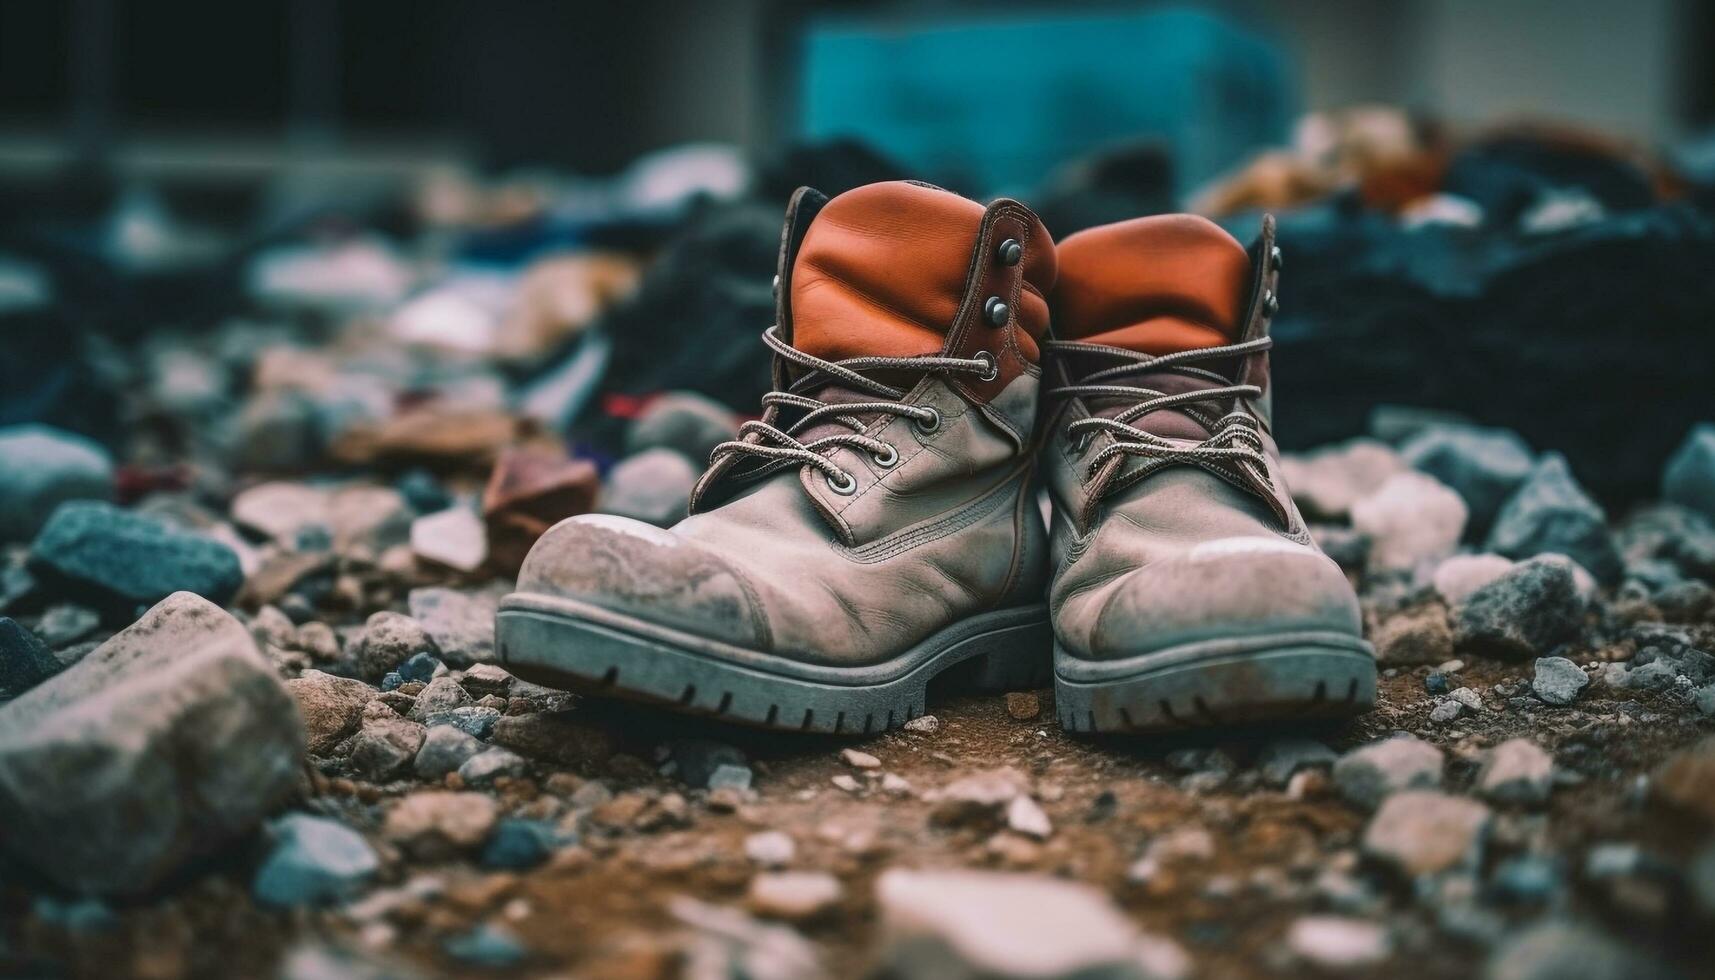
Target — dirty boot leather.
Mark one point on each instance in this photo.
(875, 528)
(1187, 591)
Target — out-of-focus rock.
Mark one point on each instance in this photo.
(529, 491)
(1327, 482)
(169, 740)
(1419, 635)
(461, 624)
(25, 660)
(314, 860)
(1461, 575)
(1484, 466)
(46, 467)
(435, 435)
(123, 560)
(1421, 832)
(1686, 781)
(455, 538)
(357, 275)
(1516, 771)
(332, 707)
(654, 486)
(1370, 774)
(558, 298)
(1551, 513)
(992, 924)
(684, 421)
(1689, 479)
(1410, 520)
(390, 639)
(437, 824)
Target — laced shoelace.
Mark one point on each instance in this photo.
(1234, 449)
(780, 447)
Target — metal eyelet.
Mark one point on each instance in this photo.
(1010, 252)
(1270, 305)
(845, 489)
(994, 365)
(1274, 258)
(996, 312)
(886, 462)
(929, 424)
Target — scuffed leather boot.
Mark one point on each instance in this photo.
(1186, 591)
(874, 529)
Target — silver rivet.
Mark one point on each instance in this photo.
(1274, 258)
(1270, 305)
(993, 363)
(996, 311)
(777, 286)
(1010, 252)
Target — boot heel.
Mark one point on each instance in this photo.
(1013, 659)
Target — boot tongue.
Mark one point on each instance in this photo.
(1155, 285)
(881, 271)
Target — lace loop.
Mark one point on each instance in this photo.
(1234, 449)
(780, 446)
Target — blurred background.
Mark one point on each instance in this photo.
(293, 236)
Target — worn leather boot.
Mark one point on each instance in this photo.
(1187, 591)
(875, 528)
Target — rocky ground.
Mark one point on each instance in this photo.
(253, 729)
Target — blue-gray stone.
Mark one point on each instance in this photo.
(25, 660)
(314, 861)
(392, 681)
(698, 758)
(1484, 466)
(1551, 513)
(46, 467)
(486, 945)
(1527, 879)
(420, 667)
(127, 559)
(516, 844)
(1558, 681)
(1689, 479)
(472, 719)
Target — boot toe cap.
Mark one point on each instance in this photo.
(639, 570)
(1224, 589)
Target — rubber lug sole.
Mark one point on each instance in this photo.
(1283, 683)
(626, 658)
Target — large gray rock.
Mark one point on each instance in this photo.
(45, 467)
(1484, 466)
(1558, 950)
(124, 560)
(1551, 513)
(1529, 609)
(970, 924)
(1689, 479)
(167, 741)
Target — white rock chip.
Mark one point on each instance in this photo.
(1335, 942)
(770, 848)
(938, 924)
(454, 537)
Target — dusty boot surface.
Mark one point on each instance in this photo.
(875, 528)
(1186, 589)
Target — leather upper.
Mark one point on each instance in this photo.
(1153, 285)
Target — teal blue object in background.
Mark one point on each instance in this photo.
(991, 106)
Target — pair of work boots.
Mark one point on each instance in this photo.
(934, 360)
